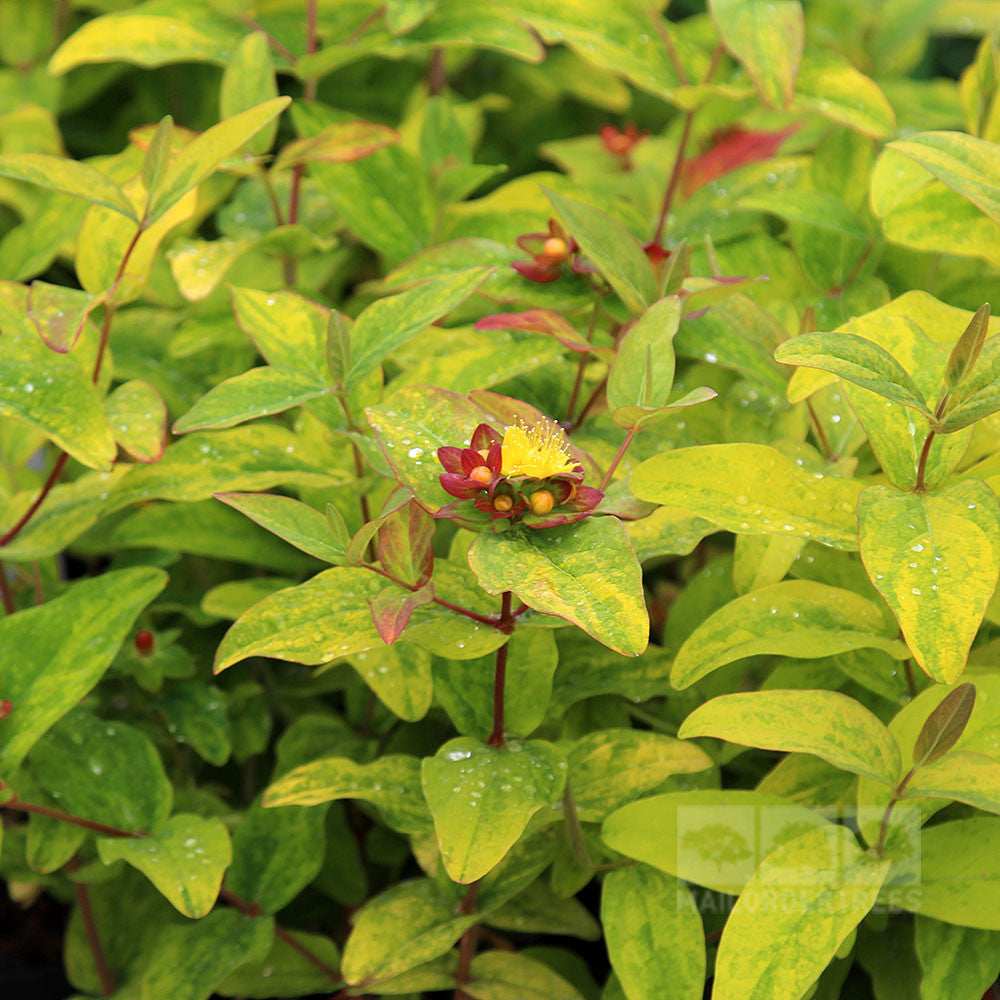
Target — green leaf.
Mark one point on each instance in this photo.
(413, 425)
(69, 176)
(201, 158)
(966, 164)
(196, 714)
(713, 837)
(612, 248)
(190, 960)
(945, 725)
(811, 208)
(50, 667)
(391, 783)
(248, 81)
(184, 858)
(401, 677)
(151, 34)
(827, 724)
(642, 373)
(934, 558)
(857, 360)
(384, 198)
(276, 854)
(768, 39)
(610, 767)
(958, 876)
(258, 392)
(640, 417)
(805, 899)
(288, 329)
(390, 322)
(482, 798)
(338, 346)
(830, 85)
(154, 163)
(295, 522)
(797, 618)
(752, 489)
(401, 928)
(958, 963)
(138, 419)
(105, 771)
(585, 572)
(966, 351)
(284, 971)
(509, 975)
(654, 934)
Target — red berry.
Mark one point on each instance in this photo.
(144, 642)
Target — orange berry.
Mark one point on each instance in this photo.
(502, 502)
(555, 247)
(541, 502)
(481, 474)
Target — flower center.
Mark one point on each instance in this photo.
(555, 247)
(538, 452)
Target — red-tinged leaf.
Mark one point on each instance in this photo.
(733, 149)
(138, 418)
(392, 608)
(339, 142)
(545, 321)
(59, 313)
(405, 545)
(356, 550)
(944, 725)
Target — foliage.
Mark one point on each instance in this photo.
(485, 470)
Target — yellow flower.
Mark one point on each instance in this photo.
(538, 451)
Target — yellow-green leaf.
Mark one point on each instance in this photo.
(610, 767)
(966, 164)
(338, 142)
(138, 419)
(258, 392)
(614, 250)
(405, 926)
(712, 837)
(962, 776)
(54, 654)
(392, 783)
(958, 874)
(857, 360)
(934, 558)
(655, 939)
(805, 899)
(247, 81)
(767, 37)
(585, 572)
(69, 176)
(642, 373)
(184, 858)
(151, 34)
(827, 724)
(481, 798)
(752, 489)
(201, 158)
(390, 322)
(797, 618)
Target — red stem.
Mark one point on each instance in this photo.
(94, 939)
(308, 94)
(506, 624)
(89, 824)
(467, 946)
(675, 176)
(5, 594)
(53, 478)
(483, 619)
(614, 462)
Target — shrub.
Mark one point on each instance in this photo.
(495, 477)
